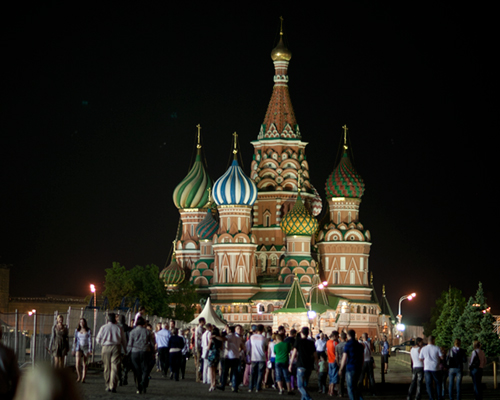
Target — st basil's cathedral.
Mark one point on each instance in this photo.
(253, 242)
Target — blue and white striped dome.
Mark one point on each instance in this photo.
(234, 188)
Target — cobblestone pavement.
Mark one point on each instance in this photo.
(396, 386)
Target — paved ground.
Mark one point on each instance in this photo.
(396, 386)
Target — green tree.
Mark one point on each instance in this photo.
(460, 330)
(182, 302)
(436, 311)
(490, 342)
(139, 282)
(438, 332)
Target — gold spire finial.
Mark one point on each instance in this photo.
(209, 195)
(198, 146)
(383, 290)
(281, 26)
(299, 173)
(174, 242)
(345, 136)
(235, 150)
(371, 278)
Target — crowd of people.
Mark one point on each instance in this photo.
(254, 359)
(437, 364)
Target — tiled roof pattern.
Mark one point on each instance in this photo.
(298, 221)
(173, 274)
(207, 228)
(344, 181)
(295, 298)
(280, 114)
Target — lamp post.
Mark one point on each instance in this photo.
(94, 291)
(33, 341)
(311, 314)
(411, 296)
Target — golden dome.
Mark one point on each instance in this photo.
(280, 52)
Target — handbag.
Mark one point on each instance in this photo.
(475, 361)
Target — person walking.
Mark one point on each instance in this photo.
(126, 363)
(162, 343)
(384, 354)
(282, 351)
(417, 370)
(476, 364)
(213, 355)
(367, 369)
(258, 349)
(205, 341)
(82, 348)
(141, 347)
(431, 355)
(59, 342)
(339, 352)
(185, 352)
(352, 361)
(198, 360)
(234, 345)
(307, 360)
(176, 344)
(112, 339)
(333, 367)
(456, 358)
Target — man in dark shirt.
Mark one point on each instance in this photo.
(307, 359)
(352, 360)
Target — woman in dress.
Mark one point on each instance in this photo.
(214, 347)
(59, 342)
(82, 348)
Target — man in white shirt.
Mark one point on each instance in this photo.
(417, 368)
(162, 338)
(233, 345)
(198, 360)
(141, 313)
(431, 355)
(258, 345)
(367, 368)
(205, 339)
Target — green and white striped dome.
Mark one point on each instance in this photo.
(192, 192)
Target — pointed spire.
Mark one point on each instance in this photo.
(198, 146)
(235, 150)
(280, 121)
(295, 297)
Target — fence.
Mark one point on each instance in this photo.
(29, 334)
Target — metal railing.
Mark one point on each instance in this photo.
(29, 335)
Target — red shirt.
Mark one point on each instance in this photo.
(330, 350)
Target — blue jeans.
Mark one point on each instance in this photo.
(416, 383)
(303, 375)
(333, 373)
(351, 379)
(477, 377)
(437, 378)
(258, 369)
(452, 374)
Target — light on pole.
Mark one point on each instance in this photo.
(94, 291)
(400, 327)
(33, 338)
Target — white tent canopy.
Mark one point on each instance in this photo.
(210, 316)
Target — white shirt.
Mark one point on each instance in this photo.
(415, 357)
(431, 355)
(367, 353)
(320, 345)
(205, 339)
(233, 344)
(258, 345)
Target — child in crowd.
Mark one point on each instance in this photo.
(322, 373)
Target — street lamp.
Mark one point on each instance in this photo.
(94, 291)
(33, 341)
(311, 314)
(400, 327)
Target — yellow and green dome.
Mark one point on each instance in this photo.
(173, 274)
(299, 221)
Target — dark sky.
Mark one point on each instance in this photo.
(102, 104)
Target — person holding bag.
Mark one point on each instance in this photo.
(476, 364)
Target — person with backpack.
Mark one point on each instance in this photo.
(476, 364)
(455, 360)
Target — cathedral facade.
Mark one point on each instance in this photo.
(253, 243)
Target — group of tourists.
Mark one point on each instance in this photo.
(282, 360)
(436, 365)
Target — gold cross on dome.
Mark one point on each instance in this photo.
(198, 146)
(281, 26)
(235, 141)
(299, 180)
(345, 136)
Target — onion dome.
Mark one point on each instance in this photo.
(234, 187)
(344, 181)
(192, 192)
(207, 228)
(280, 52)
(298, 221)
(316, 203)
(173, 274)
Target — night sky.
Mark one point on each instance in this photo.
(101, 107)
